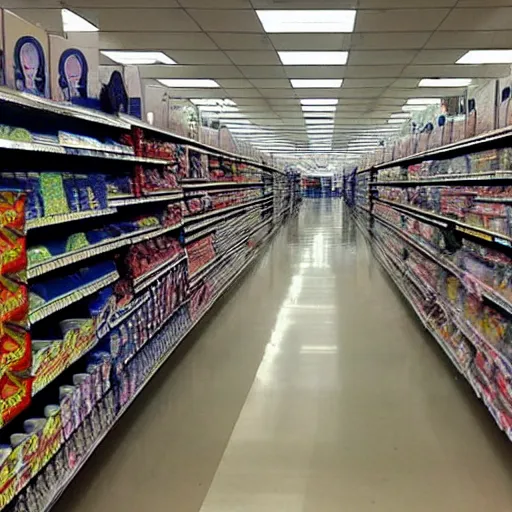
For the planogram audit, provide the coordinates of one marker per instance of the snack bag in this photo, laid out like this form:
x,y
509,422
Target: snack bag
x,y
13,300
15,394
15,348
12,210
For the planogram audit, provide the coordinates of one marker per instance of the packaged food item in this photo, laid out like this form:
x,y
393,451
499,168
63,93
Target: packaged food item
x,y
53,194
13,300
15,395
15,348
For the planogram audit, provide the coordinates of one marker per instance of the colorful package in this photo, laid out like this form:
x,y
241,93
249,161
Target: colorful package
x,y
15,348
53,194
15,395
13,300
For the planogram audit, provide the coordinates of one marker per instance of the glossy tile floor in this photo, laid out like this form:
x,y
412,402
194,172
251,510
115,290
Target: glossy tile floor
x,y
310,388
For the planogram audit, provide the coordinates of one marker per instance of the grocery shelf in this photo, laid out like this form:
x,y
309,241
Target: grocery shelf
x,y
154,198
214,184
90,251
494,178
486,291
37,102
464,146
70,298
58,149
53,220
220,211
461,227
70,476
143,281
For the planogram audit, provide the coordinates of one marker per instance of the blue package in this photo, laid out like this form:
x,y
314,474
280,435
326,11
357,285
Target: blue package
x,y
98,185
96,271
72,193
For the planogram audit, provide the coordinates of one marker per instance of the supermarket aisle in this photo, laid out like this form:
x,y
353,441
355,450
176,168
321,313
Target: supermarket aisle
x,y
312,388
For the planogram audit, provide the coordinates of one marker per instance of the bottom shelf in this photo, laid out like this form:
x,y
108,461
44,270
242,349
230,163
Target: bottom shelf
x,y
56,473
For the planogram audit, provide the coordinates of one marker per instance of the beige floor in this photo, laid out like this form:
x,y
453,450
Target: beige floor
x,y
311,388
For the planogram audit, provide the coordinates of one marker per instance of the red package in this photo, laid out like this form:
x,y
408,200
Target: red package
x,y
13,251
15,393
13,301
12,210
15,349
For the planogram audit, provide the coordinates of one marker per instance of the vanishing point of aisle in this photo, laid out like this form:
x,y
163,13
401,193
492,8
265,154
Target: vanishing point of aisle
x,y
310,388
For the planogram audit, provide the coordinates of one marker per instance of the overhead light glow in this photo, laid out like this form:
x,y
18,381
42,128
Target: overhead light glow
x,y
237,122
319,83
486,57
319,121
313,58
187,83
72,22
400,115
318,108
423,101
319,101
444,82
230,115
414,108
396,121
135,58
307,21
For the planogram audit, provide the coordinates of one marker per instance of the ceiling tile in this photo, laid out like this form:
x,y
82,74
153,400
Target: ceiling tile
x,y
254,58
368,57
458,71
407,4
405,83
292,103
471,39
382,41
423,92
242,93
234,41
116,3
395,20
195,93
350,83
156,71
219,4
235,83
271,83
199,57
438,56
279,93
225,20
373,71
499,18
155,41
362,92
146,20
311,41
263,71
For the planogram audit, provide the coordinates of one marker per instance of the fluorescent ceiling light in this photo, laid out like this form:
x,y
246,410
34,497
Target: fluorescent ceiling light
x,y
318,83
185,83
486,57
246,129
444,82
303,21
400,115
318,108
319,101
319,114
122,57
71,22
313,58
414,108
319,121
423,101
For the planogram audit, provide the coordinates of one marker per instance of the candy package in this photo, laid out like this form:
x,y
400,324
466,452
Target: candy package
x,y
15,395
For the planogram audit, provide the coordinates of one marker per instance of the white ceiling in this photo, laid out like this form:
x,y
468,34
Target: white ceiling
x,y
394,44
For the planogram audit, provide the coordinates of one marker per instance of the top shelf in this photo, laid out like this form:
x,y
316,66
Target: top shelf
x,y
35,102
462,147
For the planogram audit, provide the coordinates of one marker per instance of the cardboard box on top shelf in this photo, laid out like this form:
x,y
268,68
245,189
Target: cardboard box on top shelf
x,y
484,103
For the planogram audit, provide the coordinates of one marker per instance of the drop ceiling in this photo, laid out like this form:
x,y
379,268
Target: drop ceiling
x,y
395,43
